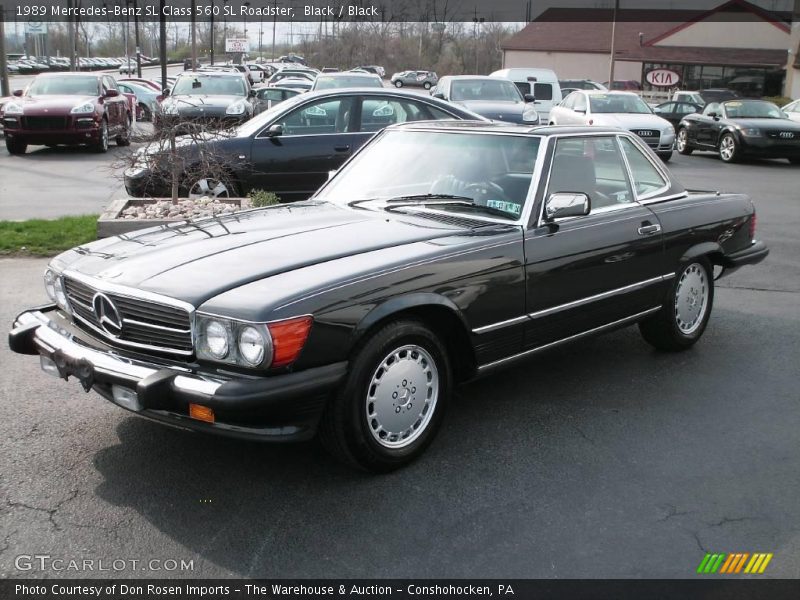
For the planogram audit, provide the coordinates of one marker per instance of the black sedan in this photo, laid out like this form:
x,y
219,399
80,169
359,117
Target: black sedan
x,y
209,98
439,253
738,128
674,112
291,148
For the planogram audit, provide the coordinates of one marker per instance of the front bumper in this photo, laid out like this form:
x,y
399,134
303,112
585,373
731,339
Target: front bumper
x,y
284,407
766,147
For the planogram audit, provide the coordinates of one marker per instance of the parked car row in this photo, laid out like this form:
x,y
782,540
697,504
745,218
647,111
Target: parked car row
x,y
44,64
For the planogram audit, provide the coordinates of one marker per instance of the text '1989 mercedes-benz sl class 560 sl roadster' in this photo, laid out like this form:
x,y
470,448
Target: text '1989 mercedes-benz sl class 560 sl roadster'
x,y
438,253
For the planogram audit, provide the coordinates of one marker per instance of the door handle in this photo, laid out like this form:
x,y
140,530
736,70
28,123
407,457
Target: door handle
x,y
649,229
344,148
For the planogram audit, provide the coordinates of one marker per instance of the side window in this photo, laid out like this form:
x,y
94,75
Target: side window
x,y
523,87
667,107
712,107
570,101
325,116
591,166
542,91
684,108
110,83
378,112
646,178
580,102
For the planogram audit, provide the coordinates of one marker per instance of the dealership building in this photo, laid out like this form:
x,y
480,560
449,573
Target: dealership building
x,y
736,45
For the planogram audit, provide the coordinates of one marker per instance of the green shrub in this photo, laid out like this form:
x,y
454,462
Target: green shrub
x,y
260,198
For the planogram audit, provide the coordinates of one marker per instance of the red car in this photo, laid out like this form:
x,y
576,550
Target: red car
x,y
68,108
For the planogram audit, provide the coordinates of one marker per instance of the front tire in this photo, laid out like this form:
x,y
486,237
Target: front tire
x,y
682,142
393,400
665,156
728,148
684,316
16,146
426,85
101,146
398,84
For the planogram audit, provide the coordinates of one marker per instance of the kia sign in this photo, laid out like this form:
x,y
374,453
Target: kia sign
x,y
237,45
663,78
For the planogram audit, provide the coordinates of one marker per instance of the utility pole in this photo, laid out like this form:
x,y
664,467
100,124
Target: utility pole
x,y
71,36
5,90
274,22
162,43
613,45
136,34
212,32
194,37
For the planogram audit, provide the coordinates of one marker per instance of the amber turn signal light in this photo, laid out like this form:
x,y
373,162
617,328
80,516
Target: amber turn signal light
x,y
288,338
201,413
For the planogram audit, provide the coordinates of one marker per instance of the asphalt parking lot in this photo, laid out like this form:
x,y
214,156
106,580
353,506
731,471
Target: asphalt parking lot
x,y
603,459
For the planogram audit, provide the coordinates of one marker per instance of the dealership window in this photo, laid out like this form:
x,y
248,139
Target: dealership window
x,y
748,82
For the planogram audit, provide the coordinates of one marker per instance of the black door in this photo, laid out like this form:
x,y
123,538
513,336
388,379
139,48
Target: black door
x,y
590,271
318,136
708,127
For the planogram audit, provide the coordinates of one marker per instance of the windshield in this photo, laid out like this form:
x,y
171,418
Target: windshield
x,y
752,109
492,171
66,86
618,103
483,89
203,85
326,82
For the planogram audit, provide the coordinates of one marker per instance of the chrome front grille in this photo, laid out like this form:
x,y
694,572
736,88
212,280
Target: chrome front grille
x,y
144,324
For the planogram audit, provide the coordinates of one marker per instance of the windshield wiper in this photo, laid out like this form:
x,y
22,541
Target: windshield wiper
x,y
447,200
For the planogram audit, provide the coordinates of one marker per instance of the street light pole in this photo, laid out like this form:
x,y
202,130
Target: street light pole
x,y
136,33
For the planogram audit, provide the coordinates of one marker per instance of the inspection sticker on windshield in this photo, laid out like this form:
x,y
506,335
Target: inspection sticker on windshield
x,y
509,207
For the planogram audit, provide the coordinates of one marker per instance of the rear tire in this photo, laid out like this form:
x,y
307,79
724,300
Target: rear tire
x,y
684,316
393,400
16,146
426,85
398,84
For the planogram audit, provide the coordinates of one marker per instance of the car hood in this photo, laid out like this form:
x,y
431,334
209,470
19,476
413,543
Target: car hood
x,y
493,109
53,104
775,124
630,121
199,260
206,102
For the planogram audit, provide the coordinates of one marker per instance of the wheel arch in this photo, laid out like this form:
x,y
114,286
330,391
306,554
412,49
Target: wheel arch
x,y
710,250
728,129
437,312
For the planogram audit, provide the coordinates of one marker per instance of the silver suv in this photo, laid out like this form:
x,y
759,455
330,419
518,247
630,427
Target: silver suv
x,y
425,79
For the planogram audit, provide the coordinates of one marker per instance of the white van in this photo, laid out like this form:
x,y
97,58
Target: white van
x,y
542,83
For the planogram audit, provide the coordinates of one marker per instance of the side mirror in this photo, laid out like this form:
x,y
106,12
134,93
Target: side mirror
x,y
580,110
251,93
111,93
529,97
438,95
275,130
713,115
566,204
165,92
18,93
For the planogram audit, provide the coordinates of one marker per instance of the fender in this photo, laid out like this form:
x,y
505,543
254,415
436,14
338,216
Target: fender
x,y
405,302
702,249
729,129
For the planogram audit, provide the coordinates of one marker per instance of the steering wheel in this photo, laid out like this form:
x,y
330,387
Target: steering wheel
x,y
486,188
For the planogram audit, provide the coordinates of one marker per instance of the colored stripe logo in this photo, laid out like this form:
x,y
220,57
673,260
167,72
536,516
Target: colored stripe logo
x,y
734,563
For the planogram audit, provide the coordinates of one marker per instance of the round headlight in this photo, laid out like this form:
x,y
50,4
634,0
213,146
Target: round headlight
x,y
251,345
61,297
216,339
50,284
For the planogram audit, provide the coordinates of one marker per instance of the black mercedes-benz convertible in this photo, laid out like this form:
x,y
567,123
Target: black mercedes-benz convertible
x,y
438,253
